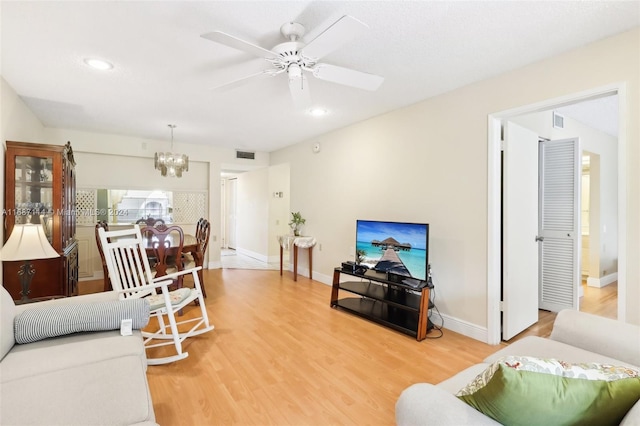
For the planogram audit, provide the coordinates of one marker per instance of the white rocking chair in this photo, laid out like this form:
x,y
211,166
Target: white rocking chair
x,y
131,276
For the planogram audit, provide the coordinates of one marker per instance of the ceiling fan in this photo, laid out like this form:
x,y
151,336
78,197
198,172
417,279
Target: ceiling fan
x,y
294,58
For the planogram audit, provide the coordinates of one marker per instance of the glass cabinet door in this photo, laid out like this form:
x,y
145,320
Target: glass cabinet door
x,y
34,192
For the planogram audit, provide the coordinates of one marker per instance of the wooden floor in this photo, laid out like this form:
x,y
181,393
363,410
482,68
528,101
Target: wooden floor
x,y
598,301
279,355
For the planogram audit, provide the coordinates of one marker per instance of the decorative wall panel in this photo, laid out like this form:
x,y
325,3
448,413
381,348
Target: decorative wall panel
x,y
188,207
86,205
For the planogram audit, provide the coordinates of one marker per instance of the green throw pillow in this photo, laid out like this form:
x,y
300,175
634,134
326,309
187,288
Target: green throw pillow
x,y
512,395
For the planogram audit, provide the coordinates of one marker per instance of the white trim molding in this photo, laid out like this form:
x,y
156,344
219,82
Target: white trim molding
x,y
602,281
463,327
494,213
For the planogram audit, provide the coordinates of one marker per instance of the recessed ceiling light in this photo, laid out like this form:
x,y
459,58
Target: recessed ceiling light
x,y
318,112
98,64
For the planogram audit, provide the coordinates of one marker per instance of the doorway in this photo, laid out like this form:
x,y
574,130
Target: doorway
x,y
599,286
228,225
494,267
239,193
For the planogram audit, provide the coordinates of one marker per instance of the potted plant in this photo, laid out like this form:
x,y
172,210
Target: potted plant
x,y
296,221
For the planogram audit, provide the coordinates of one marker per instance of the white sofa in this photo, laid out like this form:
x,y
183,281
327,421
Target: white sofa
x,y
576,338
90,378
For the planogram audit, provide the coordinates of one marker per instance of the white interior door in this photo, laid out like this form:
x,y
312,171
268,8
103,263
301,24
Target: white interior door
x,y
231,191
560,171
519,230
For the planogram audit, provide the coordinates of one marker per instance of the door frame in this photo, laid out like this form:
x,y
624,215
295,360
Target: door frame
x,y
230,229
494,197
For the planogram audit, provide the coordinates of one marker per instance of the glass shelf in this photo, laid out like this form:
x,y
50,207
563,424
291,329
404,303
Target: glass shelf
x,y
33,199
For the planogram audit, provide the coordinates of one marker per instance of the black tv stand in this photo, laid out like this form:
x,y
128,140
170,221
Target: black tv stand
x,y
399,306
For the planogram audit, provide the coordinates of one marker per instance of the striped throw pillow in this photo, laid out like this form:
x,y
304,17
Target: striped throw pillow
x,y
51,321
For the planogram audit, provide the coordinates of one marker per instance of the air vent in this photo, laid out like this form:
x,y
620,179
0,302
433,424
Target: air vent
x,y
246,154
558,120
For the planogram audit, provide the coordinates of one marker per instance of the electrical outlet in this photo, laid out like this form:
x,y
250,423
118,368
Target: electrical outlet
x,y
320,247
215,238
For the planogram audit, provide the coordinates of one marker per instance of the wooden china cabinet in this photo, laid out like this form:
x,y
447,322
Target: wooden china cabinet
x,y
40,187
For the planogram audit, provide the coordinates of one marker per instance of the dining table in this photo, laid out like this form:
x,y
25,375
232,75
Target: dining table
x,y
190,245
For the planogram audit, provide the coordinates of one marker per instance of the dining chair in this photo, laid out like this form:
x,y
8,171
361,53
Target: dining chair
x,y
165,244
130,273
203,235
203,231
199,224
150,221
102,224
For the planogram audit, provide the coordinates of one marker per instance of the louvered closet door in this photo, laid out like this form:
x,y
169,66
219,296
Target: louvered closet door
x,y
559,224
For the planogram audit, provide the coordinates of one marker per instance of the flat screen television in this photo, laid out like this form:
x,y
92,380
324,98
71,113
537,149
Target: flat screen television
x,y
398,247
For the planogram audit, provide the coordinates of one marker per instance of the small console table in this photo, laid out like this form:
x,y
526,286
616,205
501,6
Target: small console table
x,y
395,305
298,242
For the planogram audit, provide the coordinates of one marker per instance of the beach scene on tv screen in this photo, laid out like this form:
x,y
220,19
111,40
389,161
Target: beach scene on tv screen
x,y
400,248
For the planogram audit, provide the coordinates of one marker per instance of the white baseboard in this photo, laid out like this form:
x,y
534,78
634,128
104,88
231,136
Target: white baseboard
x,y
602,281
324,279
450,323
459,326
258,256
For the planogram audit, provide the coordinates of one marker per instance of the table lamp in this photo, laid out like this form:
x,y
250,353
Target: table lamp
x,y
27,242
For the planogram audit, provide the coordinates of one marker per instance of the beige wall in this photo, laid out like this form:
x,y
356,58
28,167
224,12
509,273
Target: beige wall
x,y
279,214
423,163
17,120
130,159
261,216
118,161
252,212
109,171
428,163
17,123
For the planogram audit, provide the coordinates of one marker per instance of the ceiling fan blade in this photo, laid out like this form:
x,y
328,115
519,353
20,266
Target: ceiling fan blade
x,y
347,77
340,32
236,43
240,81
299,88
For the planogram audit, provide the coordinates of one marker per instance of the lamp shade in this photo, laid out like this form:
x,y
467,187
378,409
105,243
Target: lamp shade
x,y
27,242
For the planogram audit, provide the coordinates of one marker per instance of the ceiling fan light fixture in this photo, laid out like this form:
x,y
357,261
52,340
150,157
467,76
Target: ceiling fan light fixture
x,y
318,112
294,71
297,58
171,164
99,64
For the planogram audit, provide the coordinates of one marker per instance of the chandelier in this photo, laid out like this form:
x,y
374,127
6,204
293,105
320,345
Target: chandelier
x,y
169,163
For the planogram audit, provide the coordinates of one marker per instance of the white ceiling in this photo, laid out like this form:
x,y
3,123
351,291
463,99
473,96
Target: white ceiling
x,y
164,70
600,113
